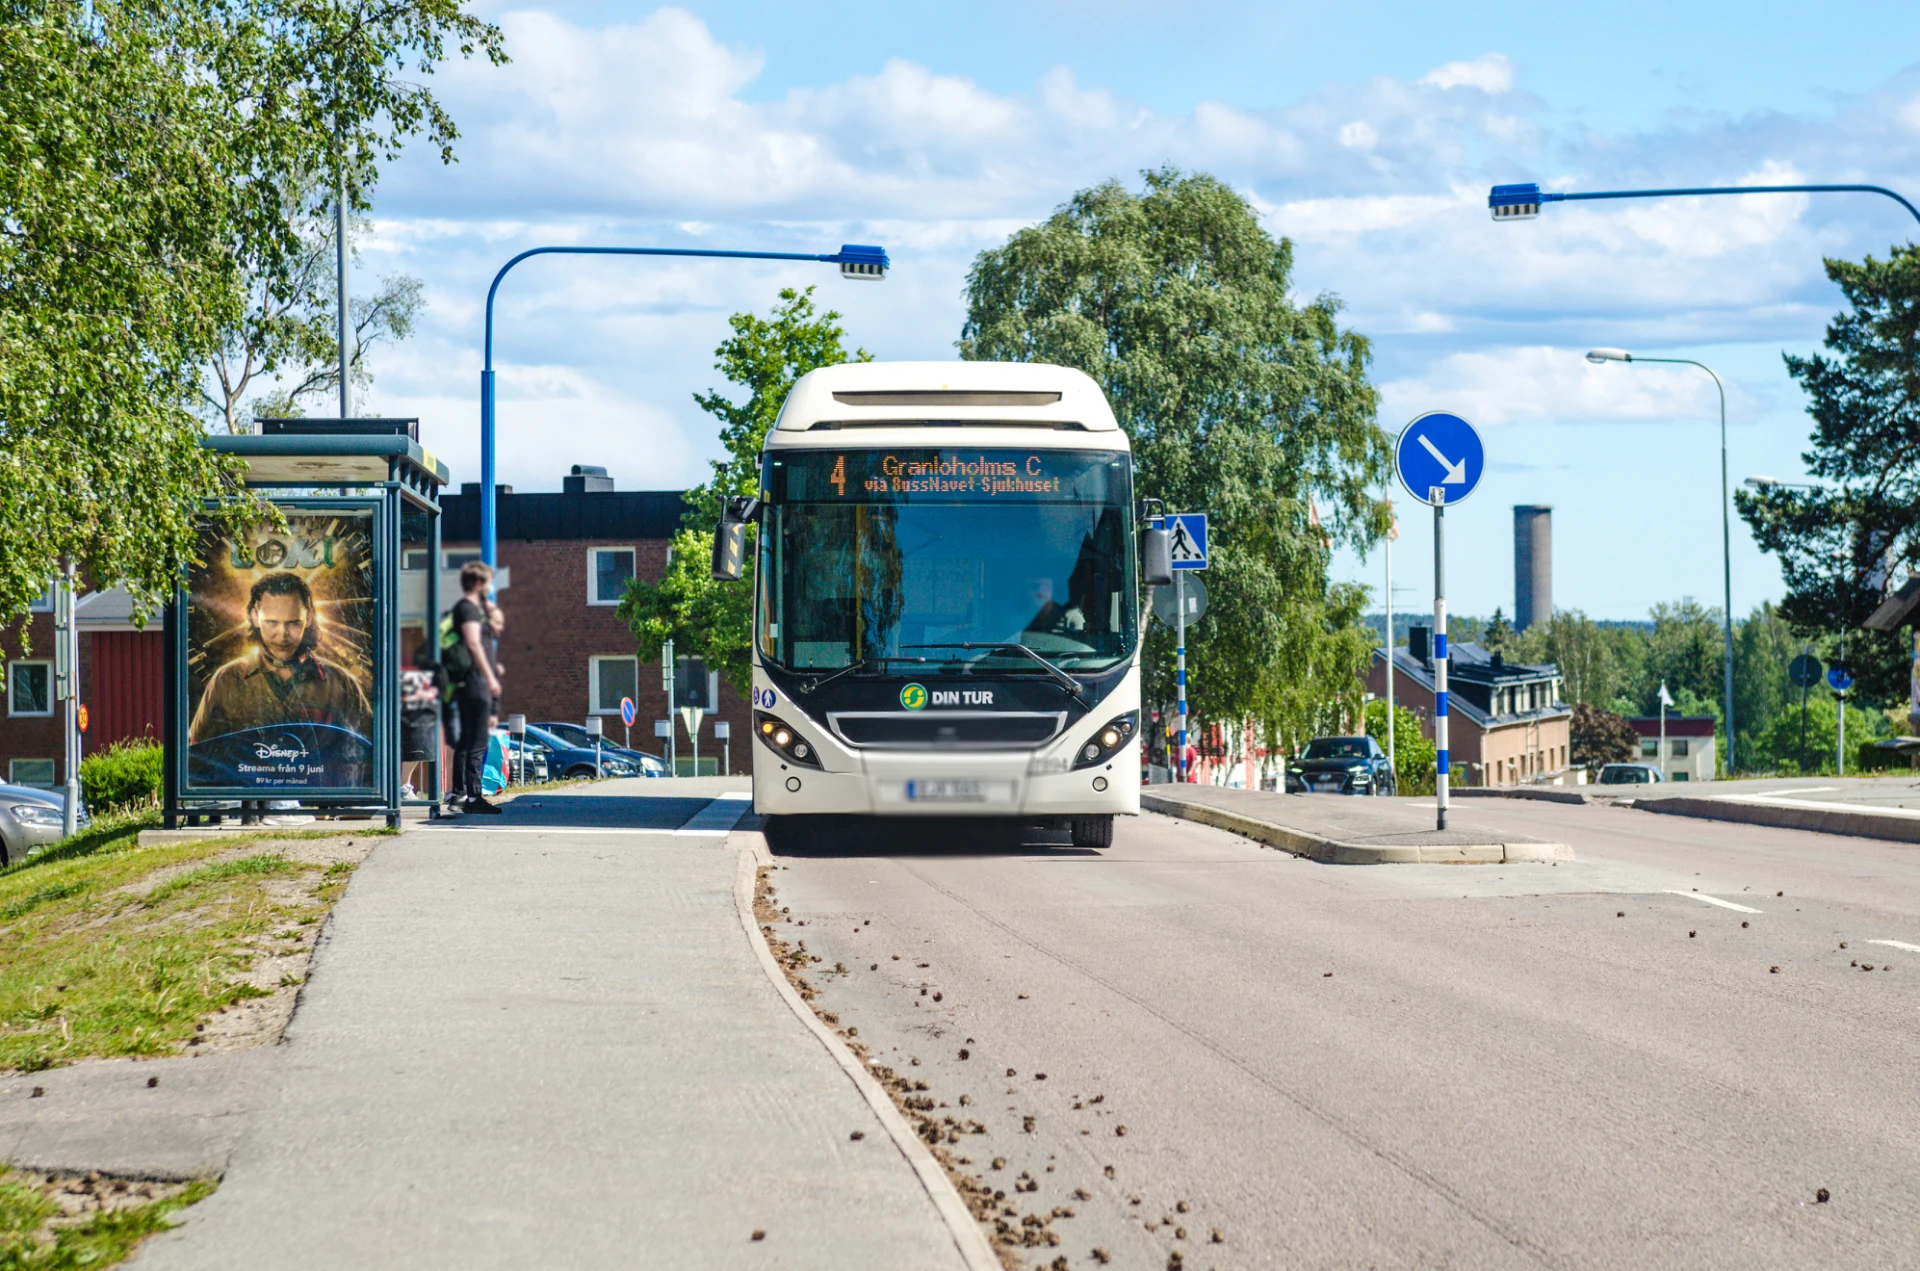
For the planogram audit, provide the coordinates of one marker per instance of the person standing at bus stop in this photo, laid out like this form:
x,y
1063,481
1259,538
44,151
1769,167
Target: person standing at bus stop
x,y
475,691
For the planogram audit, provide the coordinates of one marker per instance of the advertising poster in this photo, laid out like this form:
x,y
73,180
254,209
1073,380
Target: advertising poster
x,y
280,657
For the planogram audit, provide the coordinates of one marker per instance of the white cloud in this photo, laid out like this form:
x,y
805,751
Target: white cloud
x,y
1490,73
1545,385
650,133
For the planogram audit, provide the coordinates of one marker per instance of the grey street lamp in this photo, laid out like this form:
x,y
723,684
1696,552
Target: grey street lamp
x,y
1603,356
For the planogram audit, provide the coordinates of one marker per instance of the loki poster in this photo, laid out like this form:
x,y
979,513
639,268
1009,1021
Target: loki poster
x,y
280,657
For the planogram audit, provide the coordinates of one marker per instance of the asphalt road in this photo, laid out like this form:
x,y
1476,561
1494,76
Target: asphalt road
x,y
1400,1066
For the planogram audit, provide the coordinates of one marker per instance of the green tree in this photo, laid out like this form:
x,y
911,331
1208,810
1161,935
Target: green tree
x,y
1238,402
1685,651
1414,755
1838,544
1763,647
1582,653
765,357
144,162
289,334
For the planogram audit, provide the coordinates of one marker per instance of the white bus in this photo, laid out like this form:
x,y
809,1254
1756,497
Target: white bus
x,y
947,609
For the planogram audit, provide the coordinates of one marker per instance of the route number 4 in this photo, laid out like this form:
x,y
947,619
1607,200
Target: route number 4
x,y
839,477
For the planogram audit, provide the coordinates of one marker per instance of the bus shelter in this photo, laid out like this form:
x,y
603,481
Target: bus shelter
x,y
284,644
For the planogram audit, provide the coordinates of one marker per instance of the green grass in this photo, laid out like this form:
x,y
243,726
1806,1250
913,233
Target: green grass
x,y
28,1242
90,966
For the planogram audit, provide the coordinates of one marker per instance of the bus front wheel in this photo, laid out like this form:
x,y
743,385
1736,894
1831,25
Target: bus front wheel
x,y
1093,831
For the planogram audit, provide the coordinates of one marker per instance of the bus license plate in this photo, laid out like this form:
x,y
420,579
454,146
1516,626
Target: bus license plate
x,y
948,792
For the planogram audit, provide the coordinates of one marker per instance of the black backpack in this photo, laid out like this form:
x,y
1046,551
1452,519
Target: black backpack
x,y
456,659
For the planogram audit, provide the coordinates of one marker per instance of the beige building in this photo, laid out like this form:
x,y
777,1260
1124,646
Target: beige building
x,y
1691,753
1506,724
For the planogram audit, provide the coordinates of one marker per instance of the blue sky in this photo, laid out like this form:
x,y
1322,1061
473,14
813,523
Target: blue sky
x,y
1367,133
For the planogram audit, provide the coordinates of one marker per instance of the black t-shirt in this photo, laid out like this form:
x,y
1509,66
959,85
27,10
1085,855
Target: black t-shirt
x,y
465,611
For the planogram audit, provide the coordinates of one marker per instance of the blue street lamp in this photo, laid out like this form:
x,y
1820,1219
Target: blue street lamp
x,y
857,262
1523,202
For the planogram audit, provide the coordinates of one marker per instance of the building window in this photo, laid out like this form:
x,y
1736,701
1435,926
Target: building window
x,y
30,688
1679,745
1649,747
413,558
609,570
31,772
1677,776
453,559
612,679
42,603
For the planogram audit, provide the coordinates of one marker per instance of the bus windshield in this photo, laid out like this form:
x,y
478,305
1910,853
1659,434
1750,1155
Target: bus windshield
x,y
873,556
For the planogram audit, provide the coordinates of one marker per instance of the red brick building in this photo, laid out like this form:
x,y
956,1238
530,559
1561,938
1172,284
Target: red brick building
x,y
567,558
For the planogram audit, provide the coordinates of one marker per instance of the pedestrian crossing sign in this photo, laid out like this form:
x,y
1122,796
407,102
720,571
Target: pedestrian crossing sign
x,y
1187,532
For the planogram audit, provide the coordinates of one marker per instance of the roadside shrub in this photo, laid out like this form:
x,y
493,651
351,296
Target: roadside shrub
x,y
1414,754
124,776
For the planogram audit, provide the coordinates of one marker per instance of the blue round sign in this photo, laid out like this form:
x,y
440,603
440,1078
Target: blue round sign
x,y
1839,679
1439,458
628,711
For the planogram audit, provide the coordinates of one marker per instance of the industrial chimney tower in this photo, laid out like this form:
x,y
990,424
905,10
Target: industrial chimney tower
x,y
1532,565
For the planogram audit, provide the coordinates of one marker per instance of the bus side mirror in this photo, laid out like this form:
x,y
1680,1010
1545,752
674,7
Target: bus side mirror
x,y
1156,558
729,550
730,538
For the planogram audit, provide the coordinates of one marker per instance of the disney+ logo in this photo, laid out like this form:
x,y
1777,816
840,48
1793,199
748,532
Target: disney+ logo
x,y
285,748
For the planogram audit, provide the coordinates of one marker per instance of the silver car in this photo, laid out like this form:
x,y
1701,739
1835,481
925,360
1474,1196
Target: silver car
x,y
1630,774
30,818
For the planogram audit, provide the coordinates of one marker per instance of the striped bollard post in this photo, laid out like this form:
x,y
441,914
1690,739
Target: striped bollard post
x,y
1180,667
1438,497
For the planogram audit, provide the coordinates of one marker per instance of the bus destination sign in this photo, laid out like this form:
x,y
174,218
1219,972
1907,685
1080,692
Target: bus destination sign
x,y
888,476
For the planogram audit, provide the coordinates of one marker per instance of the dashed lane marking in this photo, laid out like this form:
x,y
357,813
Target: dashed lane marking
x,y
1898,944
1713,900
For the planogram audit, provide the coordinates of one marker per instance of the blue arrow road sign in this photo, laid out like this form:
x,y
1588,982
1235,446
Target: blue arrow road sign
x,y
1188,530
1439,458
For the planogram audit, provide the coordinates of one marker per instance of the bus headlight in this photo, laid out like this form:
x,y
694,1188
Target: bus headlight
x,y
1106,743
781,739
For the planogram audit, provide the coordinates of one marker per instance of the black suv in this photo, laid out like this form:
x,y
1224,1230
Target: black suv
x,y
1341,765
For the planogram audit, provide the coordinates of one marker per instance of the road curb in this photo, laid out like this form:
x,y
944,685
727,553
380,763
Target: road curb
x,y
1336,852
975,1250
1863,824
1545,794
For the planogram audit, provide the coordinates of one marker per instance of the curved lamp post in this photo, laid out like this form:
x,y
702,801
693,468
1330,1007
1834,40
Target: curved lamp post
x,y
1603,356
1522,202
858,262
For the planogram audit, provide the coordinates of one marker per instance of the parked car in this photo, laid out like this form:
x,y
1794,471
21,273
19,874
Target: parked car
x,y
1630,774
564,759
1341,765
30,818
524,767
574,735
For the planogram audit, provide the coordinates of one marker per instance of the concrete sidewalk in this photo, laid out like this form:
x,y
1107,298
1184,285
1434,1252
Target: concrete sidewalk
x,y
544,1039
1347,831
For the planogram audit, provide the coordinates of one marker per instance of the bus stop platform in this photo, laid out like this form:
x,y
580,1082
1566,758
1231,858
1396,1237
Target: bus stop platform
x,y
1342,830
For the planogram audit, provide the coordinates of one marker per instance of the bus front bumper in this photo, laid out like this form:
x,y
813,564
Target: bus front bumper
x,y
947,784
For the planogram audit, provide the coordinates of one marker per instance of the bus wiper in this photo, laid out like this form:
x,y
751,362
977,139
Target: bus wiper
x,y
994,646
856,665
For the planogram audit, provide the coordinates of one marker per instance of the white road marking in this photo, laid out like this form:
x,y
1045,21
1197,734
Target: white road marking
x,y
1898,944
1818,805
1713,900
558,829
